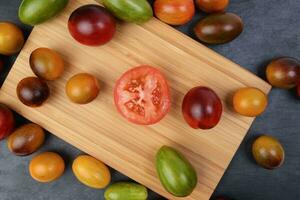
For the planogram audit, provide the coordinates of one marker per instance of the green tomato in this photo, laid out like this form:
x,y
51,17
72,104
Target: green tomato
x,y
175,172
33,12
126,191
137,11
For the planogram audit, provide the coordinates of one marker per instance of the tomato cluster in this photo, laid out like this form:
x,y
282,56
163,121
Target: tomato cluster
x,y
141,95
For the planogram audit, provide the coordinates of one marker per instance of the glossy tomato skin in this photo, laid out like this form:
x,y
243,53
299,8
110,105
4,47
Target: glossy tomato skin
x,y
46,167
33,12
283,72
250,101
202,108
46,64
7,121
33,91
11,39
219,28
142,95
174,12
92,25
137,11
26,139
82,88
268,152
212,6
175,172
91,172
126,190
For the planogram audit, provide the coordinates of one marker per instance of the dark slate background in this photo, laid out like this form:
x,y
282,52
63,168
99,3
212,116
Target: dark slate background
x,y
272,29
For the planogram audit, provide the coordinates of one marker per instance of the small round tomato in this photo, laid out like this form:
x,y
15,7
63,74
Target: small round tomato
x,y
142,95
268,152
82,88
212,6
174,12
250,101
46,64
92,25
7,121
46,167
91,172
202,108
26,139
219,28
284,72
32,91
11,38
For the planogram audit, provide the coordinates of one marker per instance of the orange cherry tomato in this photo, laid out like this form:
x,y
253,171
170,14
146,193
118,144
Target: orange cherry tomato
x,y
91,172
250,101
26,139
82,88
174,12
268,152
46,64
11,38
46,167
212,6
283,72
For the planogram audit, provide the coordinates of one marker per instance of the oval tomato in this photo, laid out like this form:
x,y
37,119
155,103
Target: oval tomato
x,y
142,95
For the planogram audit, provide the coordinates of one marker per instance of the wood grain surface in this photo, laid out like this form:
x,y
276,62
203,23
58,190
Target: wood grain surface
x,y
99,130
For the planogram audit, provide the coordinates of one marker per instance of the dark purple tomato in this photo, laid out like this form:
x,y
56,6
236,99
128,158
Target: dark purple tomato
x,y
219,28
7,121
283,72
202,108
92,25
33,91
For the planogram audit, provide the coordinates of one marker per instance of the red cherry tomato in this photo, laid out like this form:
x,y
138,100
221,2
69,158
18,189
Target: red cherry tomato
x,y
92,25
174,12
7,121
202,108
142,95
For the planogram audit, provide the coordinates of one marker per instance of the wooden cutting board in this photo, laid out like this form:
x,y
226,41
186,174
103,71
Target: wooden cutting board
x,y
99,130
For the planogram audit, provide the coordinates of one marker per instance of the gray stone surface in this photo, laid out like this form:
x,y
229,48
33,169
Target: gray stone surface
x,y
272,29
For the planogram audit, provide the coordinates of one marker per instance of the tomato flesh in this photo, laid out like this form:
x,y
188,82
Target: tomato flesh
x,y
142,95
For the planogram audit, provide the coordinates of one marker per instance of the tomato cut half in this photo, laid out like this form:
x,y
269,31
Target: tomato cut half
x,y
142,95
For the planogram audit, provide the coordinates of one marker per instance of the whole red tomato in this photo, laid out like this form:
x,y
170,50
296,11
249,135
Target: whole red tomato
x,y
92,25
174,12
202,108
142,95
7,121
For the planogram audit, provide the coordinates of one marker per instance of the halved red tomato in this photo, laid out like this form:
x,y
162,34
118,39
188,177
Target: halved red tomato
x,y
142,95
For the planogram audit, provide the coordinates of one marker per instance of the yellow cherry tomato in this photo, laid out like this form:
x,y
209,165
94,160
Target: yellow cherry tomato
x,y
11,39
91,172
46,167
250,101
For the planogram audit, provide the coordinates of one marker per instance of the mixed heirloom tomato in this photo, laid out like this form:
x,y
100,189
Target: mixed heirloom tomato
x,y
142,95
